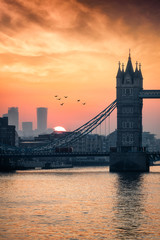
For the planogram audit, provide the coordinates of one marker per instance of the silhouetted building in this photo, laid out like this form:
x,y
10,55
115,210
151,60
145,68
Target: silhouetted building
x,y
8,135
91,143
42,119
129,155
13,117
27,129
5,115
149,141
129,108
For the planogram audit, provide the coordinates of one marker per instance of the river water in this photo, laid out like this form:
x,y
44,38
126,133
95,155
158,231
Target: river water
x,y
80,203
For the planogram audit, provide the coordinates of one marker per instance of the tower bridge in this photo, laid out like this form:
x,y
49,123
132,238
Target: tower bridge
x,y
128,154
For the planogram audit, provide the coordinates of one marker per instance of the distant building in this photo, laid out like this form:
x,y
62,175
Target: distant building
x,y
8,134
13,117
42,119
5,115
27,129
149,141
91,143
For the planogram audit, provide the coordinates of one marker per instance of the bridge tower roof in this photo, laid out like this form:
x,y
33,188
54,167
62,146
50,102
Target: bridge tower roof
x,y
129,67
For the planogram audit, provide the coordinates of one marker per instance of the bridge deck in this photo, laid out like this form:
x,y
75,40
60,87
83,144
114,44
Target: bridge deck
x,y
8,155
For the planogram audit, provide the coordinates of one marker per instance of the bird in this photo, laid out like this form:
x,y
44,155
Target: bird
x,y
84,103
56,95
58,98
62,104
78,100
65,96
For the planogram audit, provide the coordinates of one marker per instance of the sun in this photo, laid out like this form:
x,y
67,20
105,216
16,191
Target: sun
x,y
59,129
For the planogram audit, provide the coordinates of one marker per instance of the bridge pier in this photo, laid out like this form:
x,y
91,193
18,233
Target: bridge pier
x,y
129,162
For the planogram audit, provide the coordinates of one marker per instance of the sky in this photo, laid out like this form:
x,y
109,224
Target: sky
x,y
72,48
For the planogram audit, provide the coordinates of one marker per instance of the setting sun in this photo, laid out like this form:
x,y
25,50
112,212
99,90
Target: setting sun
x,y
59,129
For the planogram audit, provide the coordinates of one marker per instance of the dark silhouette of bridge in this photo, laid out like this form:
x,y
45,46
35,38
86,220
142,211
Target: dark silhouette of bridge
x,y
129,154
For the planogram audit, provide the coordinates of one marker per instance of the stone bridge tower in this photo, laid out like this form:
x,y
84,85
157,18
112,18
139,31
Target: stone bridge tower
x,y
129,155
129,108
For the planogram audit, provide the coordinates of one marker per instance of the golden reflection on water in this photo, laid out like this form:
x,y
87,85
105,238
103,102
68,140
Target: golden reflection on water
x,y
79,203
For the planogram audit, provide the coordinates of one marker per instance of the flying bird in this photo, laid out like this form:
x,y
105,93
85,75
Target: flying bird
x,y
62,104
84,103
78,100
58,98
56,95
65,96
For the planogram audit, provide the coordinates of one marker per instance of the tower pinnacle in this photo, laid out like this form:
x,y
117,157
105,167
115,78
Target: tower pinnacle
x,y
129,53
119,70
129,67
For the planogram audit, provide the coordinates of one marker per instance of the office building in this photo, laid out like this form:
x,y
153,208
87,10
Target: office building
x,y
13,117
8,135
27,129
42,119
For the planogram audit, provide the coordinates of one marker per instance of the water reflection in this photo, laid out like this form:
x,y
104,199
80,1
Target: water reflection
x,y
129,206
79,203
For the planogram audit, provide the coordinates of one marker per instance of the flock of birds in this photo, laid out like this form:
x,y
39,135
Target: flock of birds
x,y
59,98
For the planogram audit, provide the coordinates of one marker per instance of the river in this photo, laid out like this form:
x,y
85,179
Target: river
x,y
80,203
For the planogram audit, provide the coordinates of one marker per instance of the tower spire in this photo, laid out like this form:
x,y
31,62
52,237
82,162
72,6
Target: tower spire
x,y
129,67
119,70
122,67
129,53
136,74
140,73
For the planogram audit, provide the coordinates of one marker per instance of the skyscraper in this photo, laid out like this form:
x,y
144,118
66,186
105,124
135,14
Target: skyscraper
x,y
42,119
13,117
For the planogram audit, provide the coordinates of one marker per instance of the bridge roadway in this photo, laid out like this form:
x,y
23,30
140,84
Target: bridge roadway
x,y
153,156
74,154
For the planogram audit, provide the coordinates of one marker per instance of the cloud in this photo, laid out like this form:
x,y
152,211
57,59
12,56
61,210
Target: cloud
x,y
38,27
133,12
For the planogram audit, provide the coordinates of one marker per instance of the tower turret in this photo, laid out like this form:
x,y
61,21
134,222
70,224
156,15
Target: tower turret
x,y
140,73
136,74
119,73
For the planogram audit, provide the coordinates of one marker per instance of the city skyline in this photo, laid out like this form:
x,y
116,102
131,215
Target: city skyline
x,y
72,48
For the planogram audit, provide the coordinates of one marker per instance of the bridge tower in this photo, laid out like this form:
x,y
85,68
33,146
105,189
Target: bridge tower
x,y
129,155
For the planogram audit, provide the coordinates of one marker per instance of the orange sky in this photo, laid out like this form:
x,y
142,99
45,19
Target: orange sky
x,y
72,47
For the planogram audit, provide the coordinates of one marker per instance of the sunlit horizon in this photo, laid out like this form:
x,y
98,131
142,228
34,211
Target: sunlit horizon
x,y
72,48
